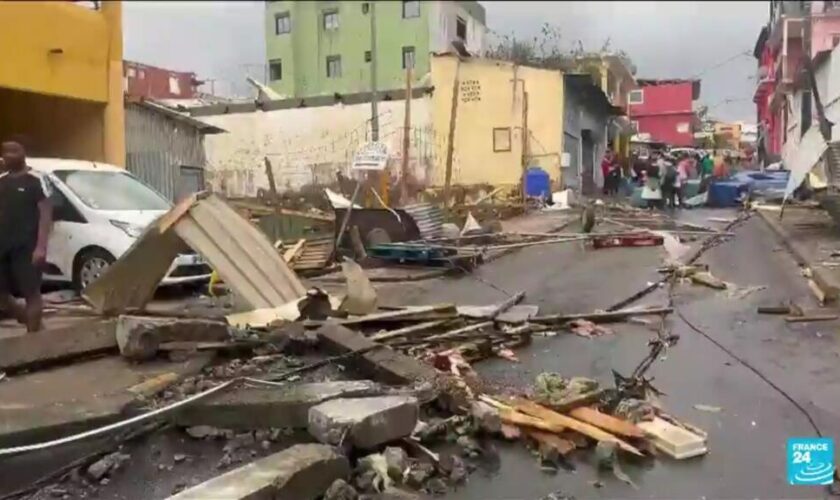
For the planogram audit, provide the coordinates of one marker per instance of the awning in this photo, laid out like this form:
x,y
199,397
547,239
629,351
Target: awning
x,y
803,158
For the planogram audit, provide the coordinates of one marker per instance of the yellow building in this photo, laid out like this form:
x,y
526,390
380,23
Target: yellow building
x,y
61,81
496,102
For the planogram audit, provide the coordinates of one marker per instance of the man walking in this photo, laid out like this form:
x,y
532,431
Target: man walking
x,y
25,222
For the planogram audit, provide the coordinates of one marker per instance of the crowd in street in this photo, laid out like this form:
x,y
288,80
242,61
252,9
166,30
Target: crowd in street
x,y
662,176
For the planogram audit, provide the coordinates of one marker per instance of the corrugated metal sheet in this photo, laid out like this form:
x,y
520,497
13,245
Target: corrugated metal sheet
x,y
237,250
429,219
156,147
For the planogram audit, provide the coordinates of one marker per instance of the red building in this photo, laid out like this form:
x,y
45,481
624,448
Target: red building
x,y
142,80
663,109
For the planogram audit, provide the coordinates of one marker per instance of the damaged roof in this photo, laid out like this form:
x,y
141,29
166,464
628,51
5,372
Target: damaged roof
x,y
204,128
582,82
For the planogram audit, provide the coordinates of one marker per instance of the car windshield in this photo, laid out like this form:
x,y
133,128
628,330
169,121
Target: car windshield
x,y
108,190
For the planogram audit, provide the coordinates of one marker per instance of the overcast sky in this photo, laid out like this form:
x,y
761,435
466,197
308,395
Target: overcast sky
x,y
225,40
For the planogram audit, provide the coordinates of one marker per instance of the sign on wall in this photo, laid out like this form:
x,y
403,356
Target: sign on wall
x,y
371,156
470,91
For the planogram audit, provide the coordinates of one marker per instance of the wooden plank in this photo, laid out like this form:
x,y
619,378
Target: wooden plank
x,y
563,446
403,315
294,252
562,421
603,316
813,317
379,337
607,422
83,338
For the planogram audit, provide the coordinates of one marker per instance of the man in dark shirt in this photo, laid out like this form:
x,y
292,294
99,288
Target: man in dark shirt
x,y
25,221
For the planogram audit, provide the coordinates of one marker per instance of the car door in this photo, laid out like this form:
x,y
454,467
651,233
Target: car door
x,y
68,222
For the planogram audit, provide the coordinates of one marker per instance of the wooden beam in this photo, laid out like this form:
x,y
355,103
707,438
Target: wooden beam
x,y
450,144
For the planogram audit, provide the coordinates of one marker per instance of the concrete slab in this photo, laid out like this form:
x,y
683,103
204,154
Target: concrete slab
x,y
53,403
79,338
251,408
383,363
364,422
301,472
139,337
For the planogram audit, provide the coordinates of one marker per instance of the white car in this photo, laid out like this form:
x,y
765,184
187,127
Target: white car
x,y
99,210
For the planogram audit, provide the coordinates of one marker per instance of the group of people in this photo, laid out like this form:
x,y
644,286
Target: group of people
x,y
661,176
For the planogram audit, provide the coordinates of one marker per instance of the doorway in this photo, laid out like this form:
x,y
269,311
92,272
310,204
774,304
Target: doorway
x,y
587,154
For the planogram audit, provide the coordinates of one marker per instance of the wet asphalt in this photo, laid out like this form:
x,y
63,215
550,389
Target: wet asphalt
x,y
746,438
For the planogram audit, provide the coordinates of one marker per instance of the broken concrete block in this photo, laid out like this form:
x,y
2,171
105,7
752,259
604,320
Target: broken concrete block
x,y
341,490
139,337
106,465
486,417
364,422
265,407
396,460
675,441
391,366
300,472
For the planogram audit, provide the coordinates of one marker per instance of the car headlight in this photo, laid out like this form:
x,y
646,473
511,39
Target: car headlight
x,y
132,230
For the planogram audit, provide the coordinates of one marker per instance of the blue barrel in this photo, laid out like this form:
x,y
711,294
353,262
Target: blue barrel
x,y
537,183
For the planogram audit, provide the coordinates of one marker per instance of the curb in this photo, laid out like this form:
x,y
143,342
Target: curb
x,y
819,276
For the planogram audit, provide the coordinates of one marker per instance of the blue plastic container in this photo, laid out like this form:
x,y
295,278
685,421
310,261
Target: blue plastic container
x,y
537,183
725,193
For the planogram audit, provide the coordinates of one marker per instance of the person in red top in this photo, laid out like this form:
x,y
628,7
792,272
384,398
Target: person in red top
x,y
608,167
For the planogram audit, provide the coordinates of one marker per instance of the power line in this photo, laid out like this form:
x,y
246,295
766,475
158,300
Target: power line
x,y
725,61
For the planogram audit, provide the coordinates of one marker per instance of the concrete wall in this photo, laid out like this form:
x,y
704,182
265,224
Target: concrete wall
x,y
304,50
308,145
66,61
490,97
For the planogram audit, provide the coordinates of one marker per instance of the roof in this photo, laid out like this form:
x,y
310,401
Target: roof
x,y
204,128
582,82
52,164
650,82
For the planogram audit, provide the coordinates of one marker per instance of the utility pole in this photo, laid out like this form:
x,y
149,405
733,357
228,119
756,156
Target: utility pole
x,y
406,135
374,98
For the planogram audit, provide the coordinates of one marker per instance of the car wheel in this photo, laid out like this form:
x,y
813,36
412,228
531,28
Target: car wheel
x,y
90,267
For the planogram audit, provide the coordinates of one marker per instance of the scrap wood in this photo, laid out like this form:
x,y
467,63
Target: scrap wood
x,y
552,441
814,317
599,317
294,252
560,420
408,330
773,310
607,422
529,414
419,313
706,278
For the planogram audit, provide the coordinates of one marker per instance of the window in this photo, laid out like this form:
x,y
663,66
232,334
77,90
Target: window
x,y
174,85
103,190
132,72
501,140
460,28
367,56
408,57
411,9
635,125
282,23
805,108
331,20
141,74
636,97
333,66
683,127
365,8
275,70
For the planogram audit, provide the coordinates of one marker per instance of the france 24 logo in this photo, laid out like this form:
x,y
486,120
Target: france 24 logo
x,y
810,461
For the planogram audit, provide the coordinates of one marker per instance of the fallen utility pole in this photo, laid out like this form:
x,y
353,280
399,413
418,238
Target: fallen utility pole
x,y
450,143
596,317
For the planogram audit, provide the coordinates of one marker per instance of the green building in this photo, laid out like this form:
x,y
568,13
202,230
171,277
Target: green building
x,y
324,47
